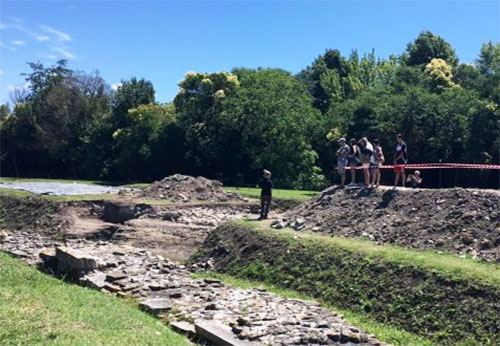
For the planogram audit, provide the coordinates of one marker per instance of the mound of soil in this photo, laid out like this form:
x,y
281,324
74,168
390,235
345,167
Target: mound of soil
x,y
184,188
454,220
32,213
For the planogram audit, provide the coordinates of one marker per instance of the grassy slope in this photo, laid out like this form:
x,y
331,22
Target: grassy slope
x,y
383,332
439,296
451,265
38,309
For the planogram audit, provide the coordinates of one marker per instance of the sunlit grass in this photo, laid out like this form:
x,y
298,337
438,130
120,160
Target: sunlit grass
x,y
36,309
252,192
452,265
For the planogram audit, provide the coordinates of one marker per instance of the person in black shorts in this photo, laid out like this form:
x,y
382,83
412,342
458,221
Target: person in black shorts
x,y
266,194
353,159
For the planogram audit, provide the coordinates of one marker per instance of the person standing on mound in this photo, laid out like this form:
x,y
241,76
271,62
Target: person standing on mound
x,y
353,158
342,160
366,157
378,161
266,194
400,158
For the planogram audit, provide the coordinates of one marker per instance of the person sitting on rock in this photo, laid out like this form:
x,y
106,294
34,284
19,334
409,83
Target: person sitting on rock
x,y
414,179
266,193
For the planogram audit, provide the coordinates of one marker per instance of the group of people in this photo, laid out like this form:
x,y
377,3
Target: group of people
x,y
358,153
370,156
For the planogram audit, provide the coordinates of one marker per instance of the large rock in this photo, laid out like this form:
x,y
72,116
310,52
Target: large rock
x,y
156,306
217,333
48,256
74,262
96,280
3,236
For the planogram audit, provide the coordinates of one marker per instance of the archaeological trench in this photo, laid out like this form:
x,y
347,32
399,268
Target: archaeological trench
x,y
157,253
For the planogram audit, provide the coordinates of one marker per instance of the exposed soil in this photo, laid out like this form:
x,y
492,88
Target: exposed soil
x,y
456,220
33,213
184,188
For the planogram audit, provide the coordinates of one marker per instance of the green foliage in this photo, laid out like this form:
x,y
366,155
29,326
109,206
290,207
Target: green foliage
x,y
428,46
209,135
439,74
275,120
39,310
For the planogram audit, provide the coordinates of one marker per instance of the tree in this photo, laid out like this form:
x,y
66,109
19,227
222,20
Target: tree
x,y
131,94
276,122
330,79
439,74
208,135
135,143
428,46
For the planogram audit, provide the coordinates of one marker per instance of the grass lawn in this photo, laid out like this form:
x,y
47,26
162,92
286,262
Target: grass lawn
x,y
452,265
383,332
253,192
36,309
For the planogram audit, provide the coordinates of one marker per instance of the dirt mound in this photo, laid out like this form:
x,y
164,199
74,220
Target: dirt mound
x,y
32,213
454,220
184,188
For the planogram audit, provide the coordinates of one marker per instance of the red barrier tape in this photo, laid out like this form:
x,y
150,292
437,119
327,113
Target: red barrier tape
x,y
445,166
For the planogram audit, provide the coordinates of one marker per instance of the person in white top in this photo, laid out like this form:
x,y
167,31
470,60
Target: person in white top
x,y
366,157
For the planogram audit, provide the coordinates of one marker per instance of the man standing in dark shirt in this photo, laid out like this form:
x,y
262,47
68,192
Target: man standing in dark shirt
x,y
266,185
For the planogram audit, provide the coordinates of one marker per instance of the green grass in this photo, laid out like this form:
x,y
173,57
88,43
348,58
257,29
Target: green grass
x,y
451,265
253,192
36,309
383,332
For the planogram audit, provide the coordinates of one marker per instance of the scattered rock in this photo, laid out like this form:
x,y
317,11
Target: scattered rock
x,y
183,188
74,262
156,306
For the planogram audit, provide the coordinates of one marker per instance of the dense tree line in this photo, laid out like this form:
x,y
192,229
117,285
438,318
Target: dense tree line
x,y
72,124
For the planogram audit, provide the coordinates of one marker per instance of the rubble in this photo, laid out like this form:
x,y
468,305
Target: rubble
x,y
237,316
184,188
454,220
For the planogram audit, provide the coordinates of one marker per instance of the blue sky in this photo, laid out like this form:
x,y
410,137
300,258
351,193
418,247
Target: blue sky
x,y
162,40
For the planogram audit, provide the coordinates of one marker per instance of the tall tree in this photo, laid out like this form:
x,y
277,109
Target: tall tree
x,y
428,46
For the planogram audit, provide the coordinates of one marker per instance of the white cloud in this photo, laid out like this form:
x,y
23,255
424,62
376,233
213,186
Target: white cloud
x,y
16,19
116,86
1,72
47,56
40,38
64,52
61,36
3,45
18,43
